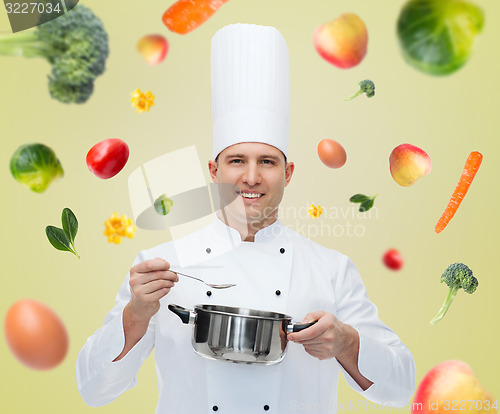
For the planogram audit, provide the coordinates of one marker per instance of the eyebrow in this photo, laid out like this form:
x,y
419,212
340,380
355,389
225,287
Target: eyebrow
x,y
235,156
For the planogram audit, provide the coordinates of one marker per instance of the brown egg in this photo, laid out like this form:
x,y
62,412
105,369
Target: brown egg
x,y
331,153
35,334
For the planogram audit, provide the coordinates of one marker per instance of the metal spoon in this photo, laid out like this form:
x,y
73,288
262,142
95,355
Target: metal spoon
x,y
213,286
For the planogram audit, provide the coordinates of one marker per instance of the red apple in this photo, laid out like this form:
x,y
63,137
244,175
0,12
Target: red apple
x,y
153,48
451,387
408,163
343,41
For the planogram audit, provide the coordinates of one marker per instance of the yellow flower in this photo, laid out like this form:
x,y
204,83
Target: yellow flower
x,y
118,227
314,211
142,102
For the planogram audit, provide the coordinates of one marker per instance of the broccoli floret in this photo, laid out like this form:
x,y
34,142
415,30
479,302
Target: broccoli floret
x,y
365,86
68,93
457,276
76,45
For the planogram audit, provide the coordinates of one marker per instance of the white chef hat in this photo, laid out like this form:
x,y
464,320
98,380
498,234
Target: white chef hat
x,y
250,87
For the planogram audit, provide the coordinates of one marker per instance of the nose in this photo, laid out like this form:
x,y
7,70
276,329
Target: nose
x,y
252,175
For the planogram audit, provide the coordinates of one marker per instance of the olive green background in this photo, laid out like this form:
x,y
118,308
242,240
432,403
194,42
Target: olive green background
x,y
448,117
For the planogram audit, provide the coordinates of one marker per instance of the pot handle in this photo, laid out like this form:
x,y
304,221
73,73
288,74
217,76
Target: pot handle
x,y
299,327
186,315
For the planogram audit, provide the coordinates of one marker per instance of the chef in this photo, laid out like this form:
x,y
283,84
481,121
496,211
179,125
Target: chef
x,y
273,268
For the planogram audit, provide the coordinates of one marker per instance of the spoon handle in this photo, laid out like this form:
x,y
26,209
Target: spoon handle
x,y
183,274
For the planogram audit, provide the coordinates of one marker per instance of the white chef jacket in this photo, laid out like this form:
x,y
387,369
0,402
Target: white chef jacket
x,y
281,271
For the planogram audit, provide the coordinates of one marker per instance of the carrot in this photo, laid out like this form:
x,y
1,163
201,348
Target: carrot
x,y
186,15
470,169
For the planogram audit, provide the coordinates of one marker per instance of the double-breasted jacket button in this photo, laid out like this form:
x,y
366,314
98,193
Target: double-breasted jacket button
x,y
208,250
215,408
282,250
209,293
278,292
266,407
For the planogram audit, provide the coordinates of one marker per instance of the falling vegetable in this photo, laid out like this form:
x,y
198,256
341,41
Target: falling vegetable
x,y
75,44
393,259
64,239
437,36
408,164
153,48
35,165
142,101
457,276
470,169
118,227
365,86
107,158
366,202
343,42
163,204
315,211
186,15
453,382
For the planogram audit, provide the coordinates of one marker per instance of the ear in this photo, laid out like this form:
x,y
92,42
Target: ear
x,y
212,168
289,169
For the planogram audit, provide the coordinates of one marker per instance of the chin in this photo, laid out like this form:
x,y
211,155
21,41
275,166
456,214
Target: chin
x,y
263,215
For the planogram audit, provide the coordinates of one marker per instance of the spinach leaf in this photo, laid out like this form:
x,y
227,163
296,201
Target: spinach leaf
x,y
358,198
70,225
64,239
366,202
366,205
57,238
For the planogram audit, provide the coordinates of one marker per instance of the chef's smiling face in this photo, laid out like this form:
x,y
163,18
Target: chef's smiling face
x,y
257,175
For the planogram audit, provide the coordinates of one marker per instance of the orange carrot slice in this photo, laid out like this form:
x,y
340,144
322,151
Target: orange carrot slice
x,y
470,169
186,15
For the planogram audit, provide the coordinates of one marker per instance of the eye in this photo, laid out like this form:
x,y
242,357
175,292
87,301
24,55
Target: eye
x,y
268,162
235,161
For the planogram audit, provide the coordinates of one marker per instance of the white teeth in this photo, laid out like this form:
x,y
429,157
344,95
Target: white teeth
x,y
250,195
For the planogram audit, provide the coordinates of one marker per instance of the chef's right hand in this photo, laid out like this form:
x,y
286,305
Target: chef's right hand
x,y
149,282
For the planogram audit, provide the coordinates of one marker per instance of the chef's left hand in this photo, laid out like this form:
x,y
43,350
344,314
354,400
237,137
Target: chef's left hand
x,y
327,338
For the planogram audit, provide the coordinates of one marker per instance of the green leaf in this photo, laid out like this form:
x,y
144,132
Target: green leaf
x,y
163,204
358,198
57,238
70,225
366,205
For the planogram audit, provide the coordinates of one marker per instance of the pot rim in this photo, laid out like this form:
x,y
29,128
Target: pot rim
x,y
248,313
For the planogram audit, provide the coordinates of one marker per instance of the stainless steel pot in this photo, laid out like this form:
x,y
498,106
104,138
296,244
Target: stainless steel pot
x,y
238,335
